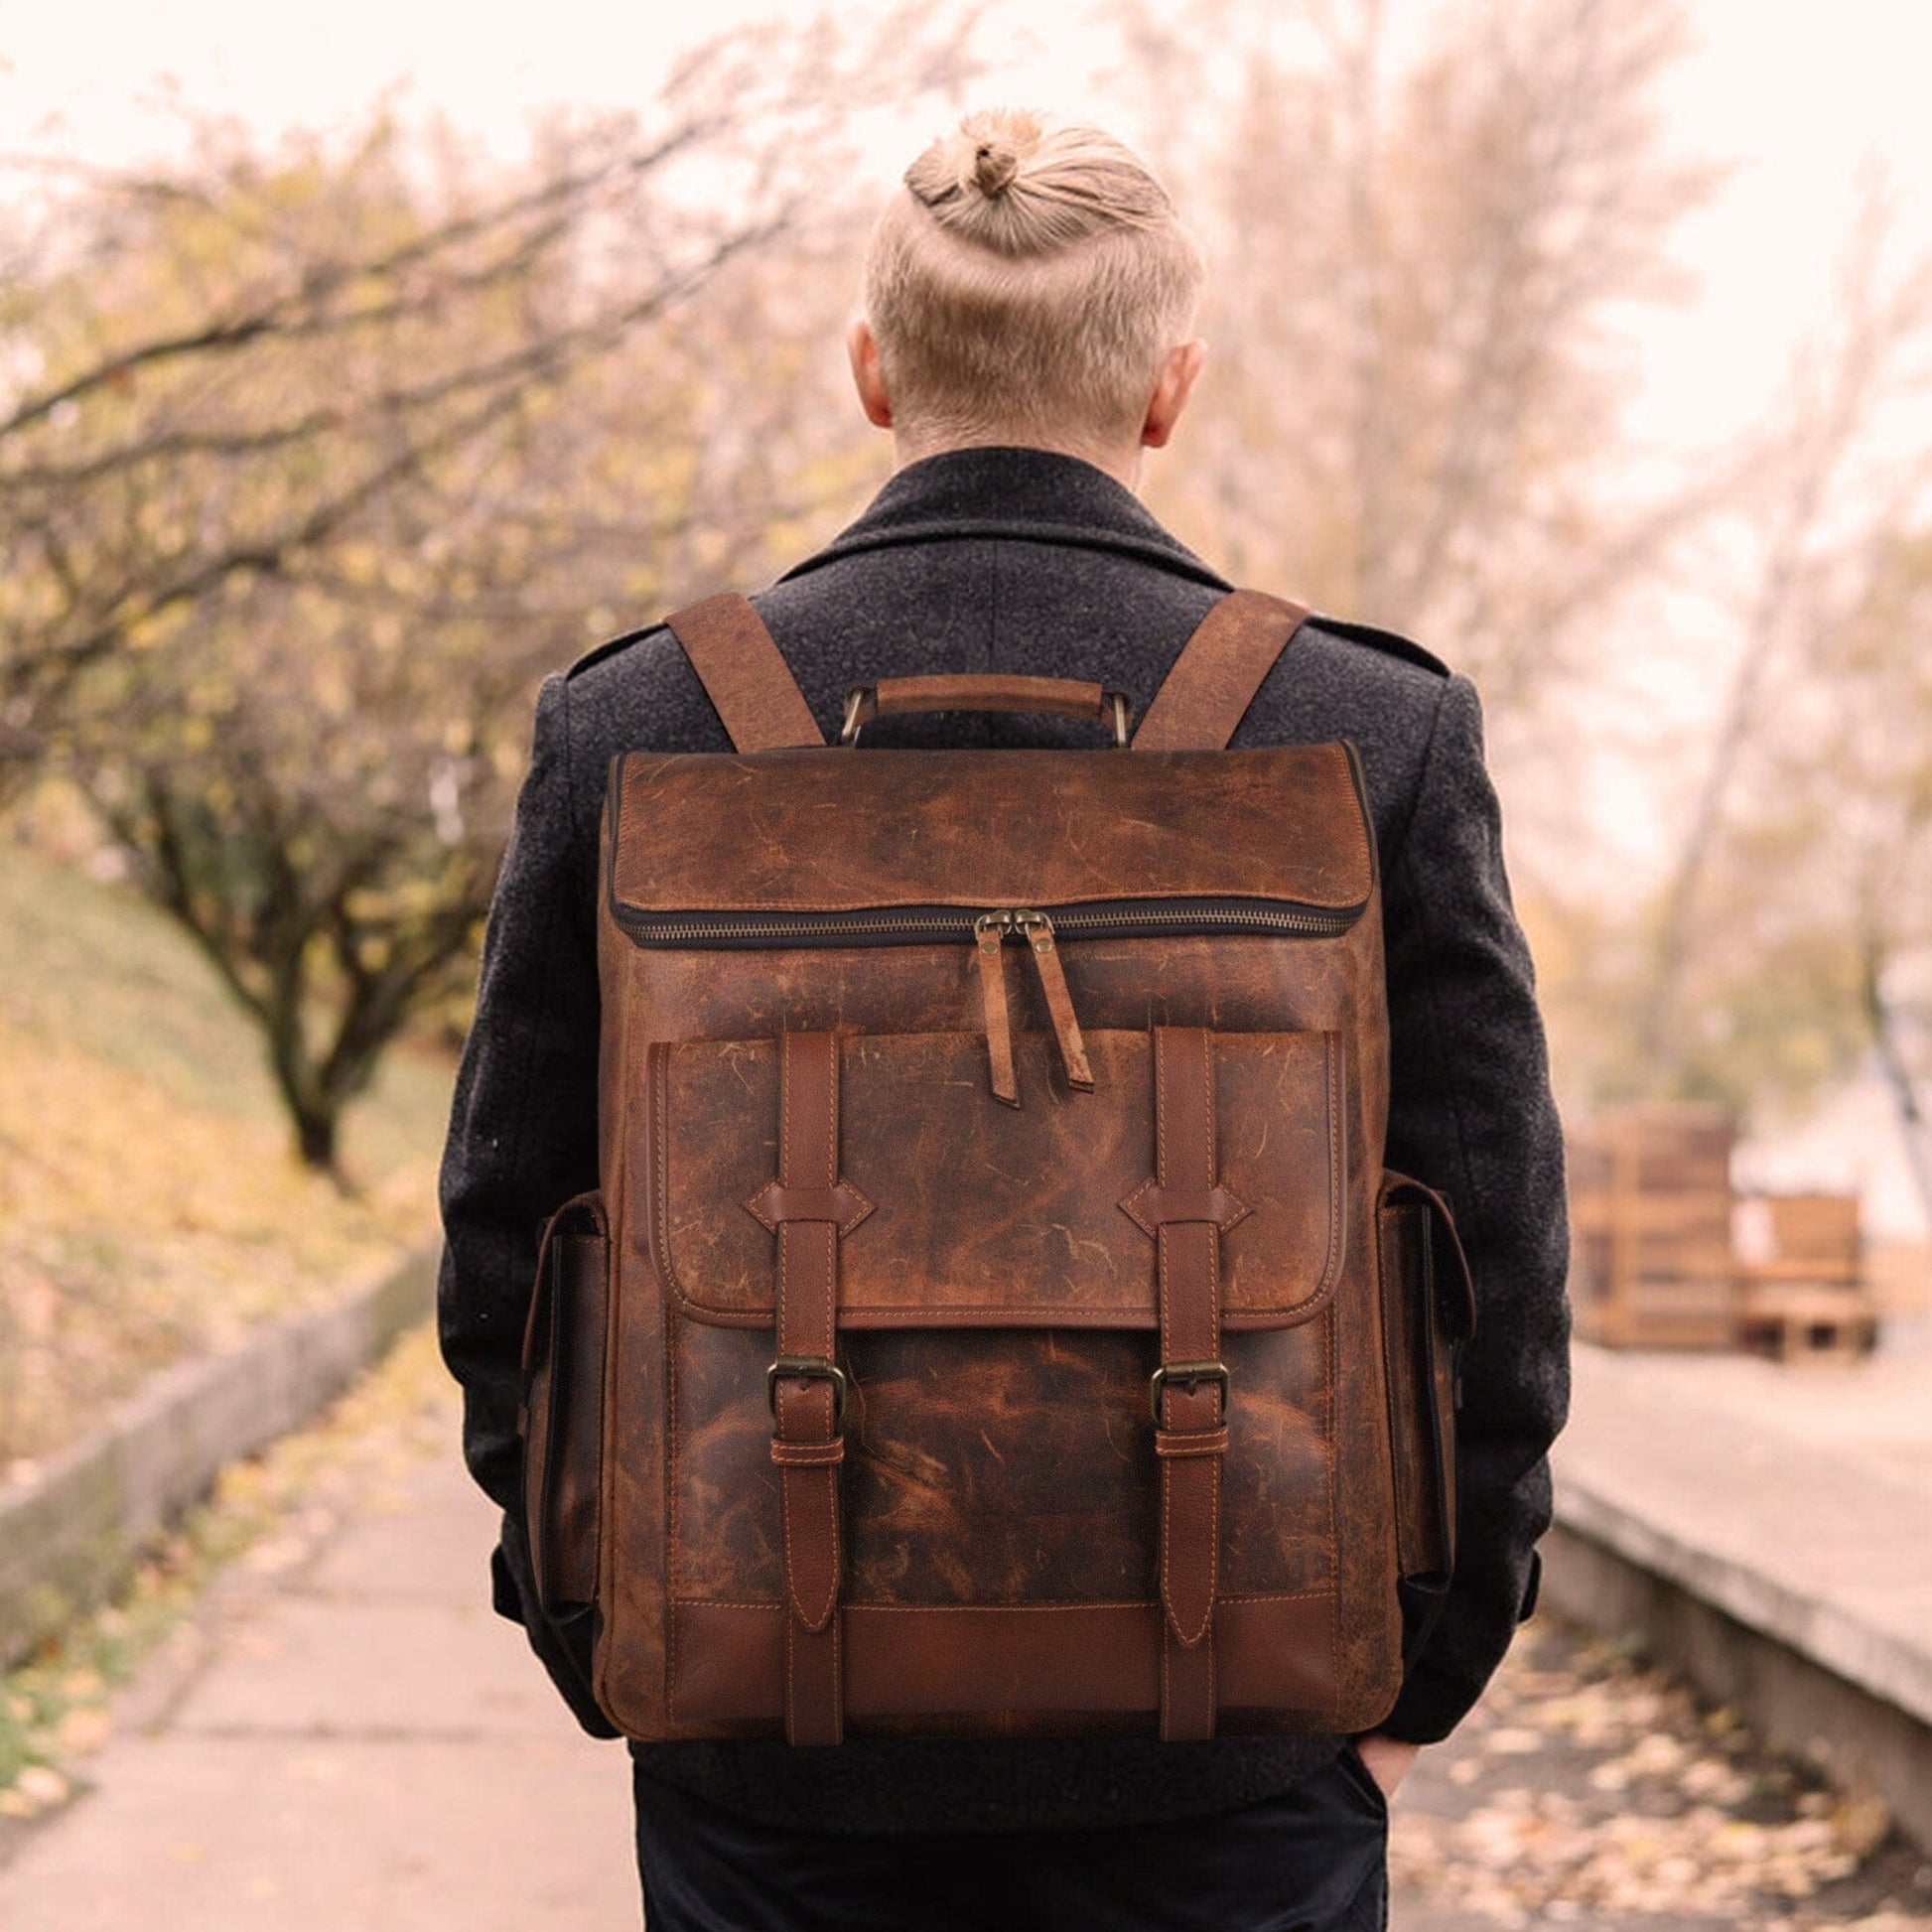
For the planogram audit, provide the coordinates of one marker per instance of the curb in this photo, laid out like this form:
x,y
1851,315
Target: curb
x,y
1835,1639
1812,1681
73,1533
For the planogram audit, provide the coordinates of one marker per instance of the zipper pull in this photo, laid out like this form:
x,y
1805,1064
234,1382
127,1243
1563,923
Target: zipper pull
x,y
1038,931
989,935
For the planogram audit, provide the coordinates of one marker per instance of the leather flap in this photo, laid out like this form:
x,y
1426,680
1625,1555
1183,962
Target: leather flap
x,y
845,831
982,1215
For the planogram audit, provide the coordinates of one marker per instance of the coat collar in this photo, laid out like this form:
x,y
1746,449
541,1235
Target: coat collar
x,y
1038,496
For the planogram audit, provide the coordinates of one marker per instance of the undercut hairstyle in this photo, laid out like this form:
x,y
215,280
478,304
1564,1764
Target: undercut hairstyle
x,y
1031,276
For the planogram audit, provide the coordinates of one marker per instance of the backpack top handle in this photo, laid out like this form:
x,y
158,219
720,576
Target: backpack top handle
x,y
1059,697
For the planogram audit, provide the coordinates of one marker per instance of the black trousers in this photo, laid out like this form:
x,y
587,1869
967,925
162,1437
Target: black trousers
x,y
1311,1861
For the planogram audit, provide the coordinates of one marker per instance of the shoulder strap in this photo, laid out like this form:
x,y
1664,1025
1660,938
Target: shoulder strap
x,y
743,674
1220,668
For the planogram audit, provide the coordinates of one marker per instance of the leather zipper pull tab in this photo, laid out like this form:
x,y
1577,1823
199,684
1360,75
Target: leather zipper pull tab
x,y
989,935
1038,931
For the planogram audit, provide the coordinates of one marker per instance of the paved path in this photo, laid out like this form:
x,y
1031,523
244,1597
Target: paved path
x,y
362,1746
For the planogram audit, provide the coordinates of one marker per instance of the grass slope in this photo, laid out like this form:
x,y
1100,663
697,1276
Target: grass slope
x,y
149,1205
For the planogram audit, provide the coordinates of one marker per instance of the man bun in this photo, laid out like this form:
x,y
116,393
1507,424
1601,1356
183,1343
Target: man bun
x,y
977,185
1010,180
994,167
1028,280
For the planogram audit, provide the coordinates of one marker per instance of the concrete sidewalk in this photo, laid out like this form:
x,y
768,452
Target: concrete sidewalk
x,y
360,1745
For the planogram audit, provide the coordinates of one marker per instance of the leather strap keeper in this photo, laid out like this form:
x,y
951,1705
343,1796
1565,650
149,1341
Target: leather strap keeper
x,y
844,1206
1154,1205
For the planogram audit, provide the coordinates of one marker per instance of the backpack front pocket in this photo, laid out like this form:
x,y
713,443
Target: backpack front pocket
x,y
999,1364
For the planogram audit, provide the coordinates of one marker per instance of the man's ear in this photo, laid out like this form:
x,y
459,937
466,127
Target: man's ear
x,y
862,347
1178,374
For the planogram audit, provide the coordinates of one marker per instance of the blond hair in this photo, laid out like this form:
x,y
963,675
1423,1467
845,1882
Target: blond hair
x,y
1031,276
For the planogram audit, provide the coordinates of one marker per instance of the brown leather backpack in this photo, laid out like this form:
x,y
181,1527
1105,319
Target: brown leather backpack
x,y
956,1347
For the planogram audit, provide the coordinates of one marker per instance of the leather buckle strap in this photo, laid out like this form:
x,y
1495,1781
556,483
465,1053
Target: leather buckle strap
x,y
1188,1391
1190,1375
806,1387
807,1368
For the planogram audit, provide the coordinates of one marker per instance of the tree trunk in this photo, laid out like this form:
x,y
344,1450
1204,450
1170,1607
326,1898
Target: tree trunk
x,y
314,1140
1896,1067
314,1110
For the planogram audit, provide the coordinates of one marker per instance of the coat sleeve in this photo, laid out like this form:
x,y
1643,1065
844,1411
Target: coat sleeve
x,y
1471,1113
522,1140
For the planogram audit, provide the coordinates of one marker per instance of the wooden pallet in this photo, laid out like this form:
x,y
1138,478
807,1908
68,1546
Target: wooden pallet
x,y
1650,1220
1816,1323
1802,1291
1809,1237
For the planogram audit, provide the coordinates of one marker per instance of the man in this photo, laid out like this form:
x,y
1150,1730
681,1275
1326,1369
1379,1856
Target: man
x,y
1026,340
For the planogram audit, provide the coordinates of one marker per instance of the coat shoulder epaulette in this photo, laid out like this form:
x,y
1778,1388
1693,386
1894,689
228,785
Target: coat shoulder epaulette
x,y
1393,642
598,653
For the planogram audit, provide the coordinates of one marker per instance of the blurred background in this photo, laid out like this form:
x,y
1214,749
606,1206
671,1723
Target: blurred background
x,y
358,368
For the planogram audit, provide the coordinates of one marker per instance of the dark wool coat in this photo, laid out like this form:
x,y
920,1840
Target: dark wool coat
x,y
1020,560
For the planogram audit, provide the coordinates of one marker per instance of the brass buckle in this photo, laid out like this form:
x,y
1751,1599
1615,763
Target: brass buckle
x,y
807,1368
1190,1375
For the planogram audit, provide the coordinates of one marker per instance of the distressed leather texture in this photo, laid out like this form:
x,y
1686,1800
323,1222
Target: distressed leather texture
x,y
880,1445
983,829
958,1214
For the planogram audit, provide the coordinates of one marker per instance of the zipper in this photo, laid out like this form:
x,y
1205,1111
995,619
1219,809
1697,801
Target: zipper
x,y
989,935
909,924
1034,931
1039,929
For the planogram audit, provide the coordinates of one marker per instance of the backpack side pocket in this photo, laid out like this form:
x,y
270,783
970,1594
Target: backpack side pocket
x,y
1428,1313
561,1415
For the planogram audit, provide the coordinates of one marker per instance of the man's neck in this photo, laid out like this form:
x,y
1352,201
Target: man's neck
x,y
1123,465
